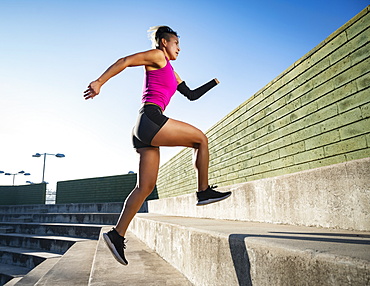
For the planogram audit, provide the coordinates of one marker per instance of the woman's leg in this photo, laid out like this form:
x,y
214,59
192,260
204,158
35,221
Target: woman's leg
x,y
147,177
177,133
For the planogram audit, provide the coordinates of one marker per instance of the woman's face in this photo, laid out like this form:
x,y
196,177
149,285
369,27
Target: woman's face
x,y
172,47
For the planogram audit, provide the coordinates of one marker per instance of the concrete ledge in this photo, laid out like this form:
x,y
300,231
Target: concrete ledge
x,y
216,252
336,196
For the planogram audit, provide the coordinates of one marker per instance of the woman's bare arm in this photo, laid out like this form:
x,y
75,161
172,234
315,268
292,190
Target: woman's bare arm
x,y
152,58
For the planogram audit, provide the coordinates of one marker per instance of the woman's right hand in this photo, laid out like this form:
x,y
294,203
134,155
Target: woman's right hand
x,y
92,90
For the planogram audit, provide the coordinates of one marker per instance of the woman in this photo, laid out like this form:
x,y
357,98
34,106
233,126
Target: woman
x,y
153,129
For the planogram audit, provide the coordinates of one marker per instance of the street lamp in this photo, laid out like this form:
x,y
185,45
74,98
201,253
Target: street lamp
x,y
10,174
44,154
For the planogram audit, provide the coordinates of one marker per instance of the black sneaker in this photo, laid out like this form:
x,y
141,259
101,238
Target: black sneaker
x,y
116,244
210,196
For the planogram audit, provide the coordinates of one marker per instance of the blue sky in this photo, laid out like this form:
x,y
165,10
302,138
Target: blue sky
x,y
51,50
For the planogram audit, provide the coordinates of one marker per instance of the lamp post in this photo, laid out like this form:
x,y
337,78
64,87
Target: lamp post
x,y
10,174
45,154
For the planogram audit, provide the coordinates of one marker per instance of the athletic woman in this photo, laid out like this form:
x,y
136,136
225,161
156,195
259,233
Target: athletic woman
x,y
153,129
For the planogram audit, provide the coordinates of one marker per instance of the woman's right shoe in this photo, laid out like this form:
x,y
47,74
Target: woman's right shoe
x,y
211,196
116,244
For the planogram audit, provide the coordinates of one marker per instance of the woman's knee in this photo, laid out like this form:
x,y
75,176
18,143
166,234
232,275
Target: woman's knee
x,y
144,191
201,140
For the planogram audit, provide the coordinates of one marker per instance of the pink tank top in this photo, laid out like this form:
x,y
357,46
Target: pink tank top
x,y
159,86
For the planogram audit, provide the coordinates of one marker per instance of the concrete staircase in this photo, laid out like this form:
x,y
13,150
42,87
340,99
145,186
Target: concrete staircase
x,y
36,238
61,245
308,228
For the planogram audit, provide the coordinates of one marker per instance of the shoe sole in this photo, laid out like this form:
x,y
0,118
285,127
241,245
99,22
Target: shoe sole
x,y
113,249
209,201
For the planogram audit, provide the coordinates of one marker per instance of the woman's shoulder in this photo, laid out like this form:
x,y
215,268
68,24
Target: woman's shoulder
x,y
158,58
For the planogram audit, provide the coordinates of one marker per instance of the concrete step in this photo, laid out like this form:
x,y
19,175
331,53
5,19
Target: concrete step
x,y
63,229
222,252
6,229
8,272
56,244
19,218
24,208
64,208
13,281
73,268
145,267
335,196
35,274
24,257
80,218
68,208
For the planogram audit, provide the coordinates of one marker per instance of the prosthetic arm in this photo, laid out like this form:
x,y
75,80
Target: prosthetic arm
x,y
198,92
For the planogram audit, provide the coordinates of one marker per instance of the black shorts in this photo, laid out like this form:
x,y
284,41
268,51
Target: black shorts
x,y
149,122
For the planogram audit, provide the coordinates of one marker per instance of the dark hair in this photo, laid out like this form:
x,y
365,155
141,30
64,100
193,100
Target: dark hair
x,y
161,32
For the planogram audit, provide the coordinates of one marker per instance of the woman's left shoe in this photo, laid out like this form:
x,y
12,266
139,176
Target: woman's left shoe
x,y
116,244
211,196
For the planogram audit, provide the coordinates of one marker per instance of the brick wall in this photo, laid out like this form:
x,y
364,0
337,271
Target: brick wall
x,y
22,195
97,190
316,113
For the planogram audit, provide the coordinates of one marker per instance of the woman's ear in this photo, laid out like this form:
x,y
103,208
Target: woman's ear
x,y
164,42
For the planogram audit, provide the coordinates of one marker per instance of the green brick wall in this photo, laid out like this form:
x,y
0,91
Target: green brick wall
x,y
316,113
23,195
97,190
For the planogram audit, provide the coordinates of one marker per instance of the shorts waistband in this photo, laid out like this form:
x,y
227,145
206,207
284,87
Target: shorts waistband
x,y
150,105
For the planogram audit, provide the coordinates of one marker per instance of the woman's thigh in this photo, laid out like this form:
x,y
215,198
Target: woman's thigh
x,y
177,133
